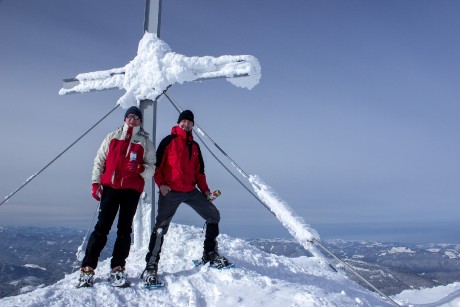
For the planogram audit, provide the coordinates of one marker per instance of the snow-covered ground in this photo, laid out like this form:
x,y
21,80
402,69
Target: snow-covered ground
x,y
258,279
447,296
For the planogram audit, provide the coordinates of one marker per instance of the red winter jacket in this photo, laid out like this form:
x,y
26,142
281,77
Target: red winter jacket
x,y
180,163
111,162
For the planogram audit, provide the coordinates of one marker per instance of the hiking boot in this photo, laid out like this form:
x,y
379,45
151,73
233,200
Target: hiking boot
x,y
118,277
86,278
215,260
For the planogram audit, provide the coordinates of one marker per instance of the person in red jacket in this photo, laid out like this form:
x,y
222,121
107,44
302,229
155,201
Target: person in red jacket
x,y
124,160
179,170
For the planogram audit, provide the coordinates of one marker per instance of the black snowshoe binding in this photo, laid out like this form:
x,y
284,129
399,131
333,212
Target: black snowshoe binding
x,y
215,260
86,278
118,277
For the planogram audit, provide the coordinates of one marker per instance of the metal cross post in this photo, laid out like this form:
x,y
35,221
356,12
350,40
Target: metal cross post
x,y
148,107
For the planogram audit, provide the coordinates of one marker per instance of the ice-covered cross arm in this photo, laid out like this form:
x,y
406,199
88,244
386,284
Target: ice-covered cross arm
x,y
156,67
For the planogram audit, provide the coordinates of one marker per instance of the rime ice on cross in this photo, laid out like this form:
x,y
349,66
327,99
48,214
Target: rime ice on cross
x,y
156,67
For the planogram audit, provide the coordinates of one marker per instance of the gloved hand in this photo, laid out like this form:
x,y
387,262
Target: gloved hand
x,y
135,166
96,191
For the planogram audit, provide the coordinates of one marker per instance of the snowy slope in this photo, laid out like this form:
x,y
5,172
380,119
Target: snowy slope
x,y
258,279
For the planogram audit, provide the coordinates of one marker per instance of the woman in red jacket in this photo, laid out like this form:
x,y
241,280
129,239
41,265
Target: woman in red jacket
x,y
124,160
179,170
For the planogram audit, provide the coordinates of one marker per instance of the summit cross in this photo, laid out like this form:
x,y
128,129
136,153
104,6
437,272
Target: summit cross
x,y
154,70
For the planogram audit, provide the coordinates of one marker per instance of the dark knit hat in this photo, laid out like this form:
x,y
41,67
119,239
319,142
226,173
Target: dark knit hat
x,y
134,110
187,114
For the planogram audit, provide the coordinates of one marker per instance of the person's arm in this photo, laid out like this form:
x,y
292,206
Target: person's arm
x,y
158,176
99,167
99,160
200,176
149,160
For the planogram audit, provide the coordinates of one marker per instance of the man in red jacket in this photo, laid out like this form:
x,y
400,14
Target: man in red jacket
x,y
179,170
124,160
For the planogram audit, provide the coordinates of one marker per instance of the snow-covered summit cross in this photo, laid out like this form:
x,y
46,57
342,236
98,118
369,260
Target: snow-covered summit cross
x,y
149,74
156,67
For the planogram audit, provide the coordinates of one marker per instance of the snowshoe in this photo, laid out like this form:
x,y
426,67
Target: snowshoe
x,y
118,278
150,277
215,261
86,278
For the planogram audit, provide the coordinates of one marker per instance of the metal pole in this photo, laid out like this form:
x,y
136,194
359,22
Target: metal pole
x,y
149,111
152,22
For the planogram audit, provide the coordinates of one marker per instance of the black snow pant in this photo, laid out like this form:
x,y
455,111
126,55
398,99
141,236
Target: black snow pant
x,y
167,207
113,201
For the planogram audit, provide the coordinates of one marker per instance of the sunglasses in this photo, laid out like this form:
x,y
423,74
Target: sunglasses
x,y
132,116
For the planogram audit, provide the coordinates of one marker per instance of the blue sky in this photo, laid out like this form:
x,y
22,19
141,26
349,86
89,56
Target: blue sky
x,y
354,123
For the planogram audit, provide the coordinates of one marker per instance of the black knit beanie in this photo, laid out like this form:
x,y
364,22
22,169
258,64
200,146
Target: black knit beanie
x,y
134,110
187,114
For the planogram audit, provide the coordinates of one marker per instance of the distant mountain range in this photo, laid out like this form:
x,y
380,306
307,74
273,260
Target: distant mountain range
x,y
34,257
390,266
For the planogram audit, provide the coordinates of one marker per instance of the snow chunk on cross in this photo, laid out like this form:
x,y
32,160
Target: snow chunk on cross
x,y
156,67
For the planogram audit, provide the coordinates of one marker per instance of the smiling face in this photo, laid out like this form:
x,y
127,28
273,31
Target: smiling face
x,y
186,125
132,120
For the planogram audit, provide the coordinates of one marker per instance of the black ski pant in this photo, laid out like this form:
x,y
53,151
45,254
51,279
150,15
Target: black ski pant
x,y
167,207
113,201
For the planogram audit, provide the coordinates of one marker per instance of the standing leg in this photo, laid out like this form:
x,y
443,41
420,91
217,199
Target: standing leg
x,y
98,238
210,213
167,206
129,200
210,242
